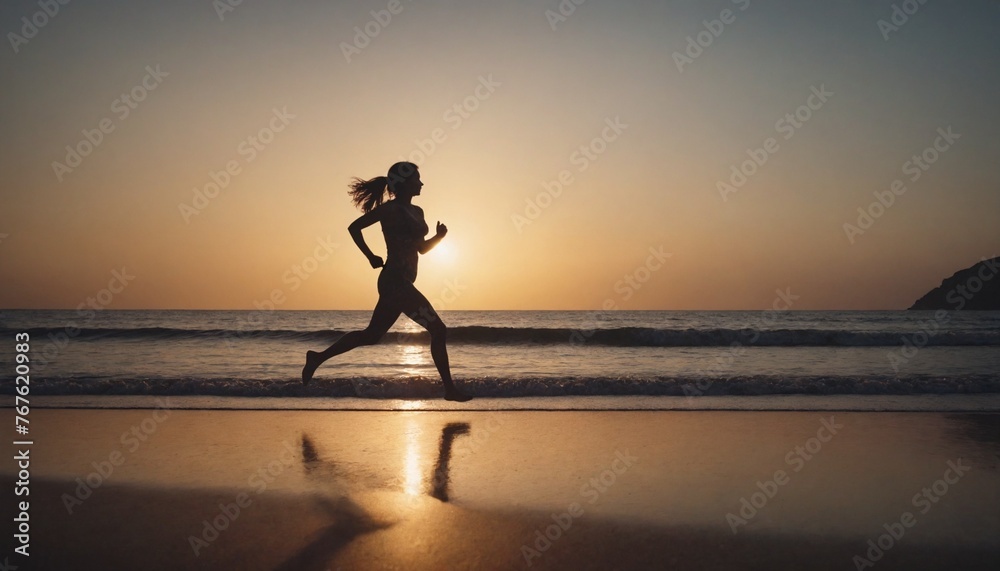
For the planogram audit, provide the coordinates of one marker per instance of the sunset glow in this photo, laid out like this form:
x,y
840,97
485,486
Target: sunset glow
x,y
215,151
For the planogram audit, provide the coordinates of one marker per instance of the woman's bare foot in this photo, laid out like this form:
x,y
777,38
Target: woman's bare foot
x,y
453,394
312,362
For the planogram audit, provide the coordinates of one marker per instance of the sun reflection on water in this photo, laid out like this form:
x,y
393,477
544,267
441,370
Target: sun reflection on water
x,y
414,359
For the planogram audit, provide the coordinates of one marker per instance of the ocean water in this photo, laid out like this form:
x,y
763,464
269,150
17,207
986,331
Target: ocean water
x,y
512,353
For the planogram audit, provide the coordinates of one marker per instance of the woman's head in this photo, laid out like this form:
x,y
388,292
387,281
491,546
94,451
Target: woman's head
x,y
403,179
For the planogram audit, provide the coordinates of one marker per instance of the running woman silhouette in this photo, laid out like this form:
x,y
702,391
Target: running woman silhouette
x,y
404,229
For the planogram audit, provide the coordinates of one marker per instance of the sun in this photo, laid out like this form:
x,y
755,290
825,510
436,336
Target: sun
x,y
444,252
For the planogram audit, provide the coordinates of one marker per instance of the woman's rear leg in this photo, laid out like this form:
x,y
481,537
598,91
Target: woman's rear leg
x,y
384,315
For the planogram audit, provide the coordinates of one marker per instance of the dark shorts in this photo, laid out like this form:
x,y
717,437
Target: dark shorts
x,y
393,281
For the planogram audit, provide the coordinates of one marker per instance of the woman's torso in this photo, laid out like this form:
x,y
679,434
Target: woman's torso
x,y
404,229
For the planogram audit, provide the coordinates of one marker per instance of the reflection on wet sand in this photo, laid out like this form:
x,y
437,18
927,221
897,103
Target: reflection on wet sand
x,y
441,477
309,457
693,468
983,429
350,520
413,477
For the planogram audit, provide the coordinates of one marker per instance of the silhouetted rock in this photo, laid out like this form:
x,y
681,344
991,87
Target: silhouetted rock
x,y
976,288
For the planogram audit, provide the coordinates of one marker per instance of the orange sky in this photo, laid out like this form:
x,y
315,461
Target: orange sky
x,y
494,105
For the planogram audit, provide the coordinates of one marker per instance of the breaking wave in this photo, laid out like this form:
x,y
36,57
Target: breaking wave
x,y
421,387
615,337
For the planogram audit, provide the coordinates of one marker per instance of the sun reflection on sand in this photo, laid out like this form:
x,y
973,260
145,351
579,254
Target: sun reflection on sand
x,y
412,473
412,405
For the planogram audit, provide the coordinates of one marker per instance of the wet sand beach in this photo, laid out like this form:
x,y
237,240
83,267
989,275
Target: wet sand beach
x,y
168,489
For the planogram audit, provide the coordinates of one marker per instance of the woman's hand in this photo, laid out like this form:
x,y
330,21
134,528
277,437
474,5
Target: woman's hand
x,y
376,261
426,245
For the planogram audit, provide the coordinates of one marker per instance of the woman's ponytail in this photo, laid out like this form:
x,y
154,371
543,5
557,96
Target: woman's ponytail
x,y
368,194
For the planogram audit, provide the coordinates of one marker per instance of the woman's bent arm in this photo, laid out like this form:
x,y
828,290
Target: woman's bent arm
x,y
361,223
426,245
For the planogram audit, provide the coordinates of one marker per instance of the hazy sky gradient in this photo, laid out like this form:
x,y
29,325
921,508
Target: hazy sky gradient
x,y
654,186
